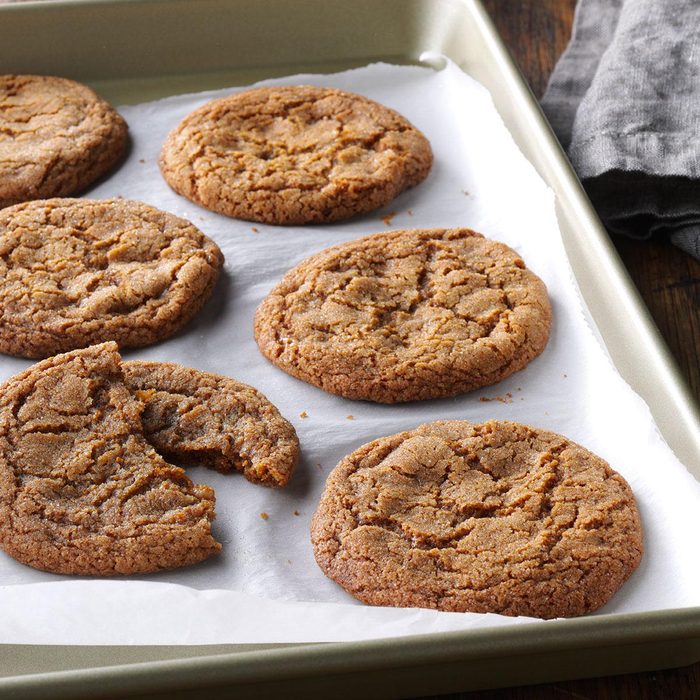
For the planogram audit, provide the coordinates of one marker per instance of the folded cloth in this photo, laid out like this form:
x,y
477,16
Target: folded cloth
x,y
624,101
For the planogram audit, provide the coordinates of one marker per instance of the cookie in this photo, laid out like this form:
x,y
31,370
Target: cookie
x,y
294,155
406,315
213,420
81,490
56,137
497,517
74,272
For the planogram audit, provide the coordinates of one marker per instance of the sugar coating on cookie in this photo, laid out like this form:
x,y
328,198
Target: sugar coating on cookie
x,y
497,517
406,315
56,137
192,415
294,155
75,272
81,490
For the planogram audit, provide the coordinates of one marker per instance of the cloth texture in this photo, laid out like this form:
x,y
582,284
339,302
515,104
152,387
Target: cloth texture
x,y
624,101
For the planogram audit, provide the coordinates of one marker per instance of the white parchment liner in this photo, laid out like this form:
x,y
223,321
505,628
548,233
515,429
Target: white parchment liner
x,y
265,585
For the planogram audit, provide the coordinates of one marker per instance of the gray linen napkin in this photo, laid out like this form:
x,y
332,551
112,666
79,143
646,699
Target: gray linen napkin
x,y
624,101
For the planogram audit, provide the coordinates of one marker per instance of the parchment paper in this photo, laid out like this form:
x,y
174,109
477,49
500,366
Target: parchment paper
x,y
265,585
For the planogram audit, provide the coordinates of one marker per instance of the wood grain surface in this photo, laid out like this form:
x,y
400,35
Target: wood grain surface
x,y
536,32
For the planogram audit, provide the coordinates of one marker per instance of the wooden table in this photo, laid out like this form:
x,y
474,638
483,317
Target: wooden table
x,y
536,32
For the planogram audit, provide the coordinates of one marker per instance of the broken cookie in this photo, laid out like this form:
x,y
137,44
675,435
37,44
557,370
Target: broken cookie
x,y
213,420
83,491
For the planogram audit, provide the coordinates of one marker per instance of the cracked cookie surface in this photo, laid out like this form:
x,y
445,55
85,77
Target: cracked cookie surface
x,y
81,490
56,137
192,415
294,155
74,272
497,517
406,315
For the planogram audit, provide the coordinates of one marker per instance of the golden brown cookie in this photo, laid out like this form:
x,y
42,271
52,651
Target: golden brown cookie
x,y
81,490
56,137
75,272
497,517
294,155
192,415
406,315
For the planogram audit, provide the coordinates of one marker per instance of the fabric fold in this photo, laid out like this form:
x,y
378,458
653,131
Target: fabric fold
x,y
624,100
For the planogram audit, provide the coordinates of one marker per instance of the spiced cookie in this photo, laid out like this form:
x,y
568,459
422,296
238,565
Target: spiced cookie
x,y
56,137
294,155
214,420
81,490
406,315
497,518
74,272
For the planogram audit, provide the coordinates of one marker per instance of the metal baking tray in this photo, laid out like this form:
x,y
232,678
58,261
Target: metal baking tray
x,y
135,50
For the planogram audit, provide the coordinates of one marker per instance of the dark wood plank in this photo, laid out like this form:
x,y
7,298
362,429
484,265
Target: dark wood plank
x,y
536,32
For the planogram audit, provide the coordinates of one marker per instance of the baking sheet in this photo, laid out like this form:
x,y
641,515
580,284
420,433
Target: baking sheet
x,y
259,588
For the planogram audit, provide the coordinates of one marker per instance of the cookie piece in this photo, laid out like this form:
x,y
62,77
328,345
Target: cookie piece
x,y
81,490
497,517
74,272
406,315
214,420
56,137
294,155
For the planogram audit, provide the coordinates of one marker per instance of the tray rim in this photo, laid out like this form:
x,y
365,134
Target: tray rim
x,y
620,629
291,661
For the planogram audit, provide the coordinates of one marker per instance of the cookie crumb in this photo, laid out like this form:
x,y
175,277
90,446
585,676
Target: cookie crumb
x,y
350,417
142,160
264,515
254,229
318,466
303,414
508,398
410,212
296,512
466,193
389,218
